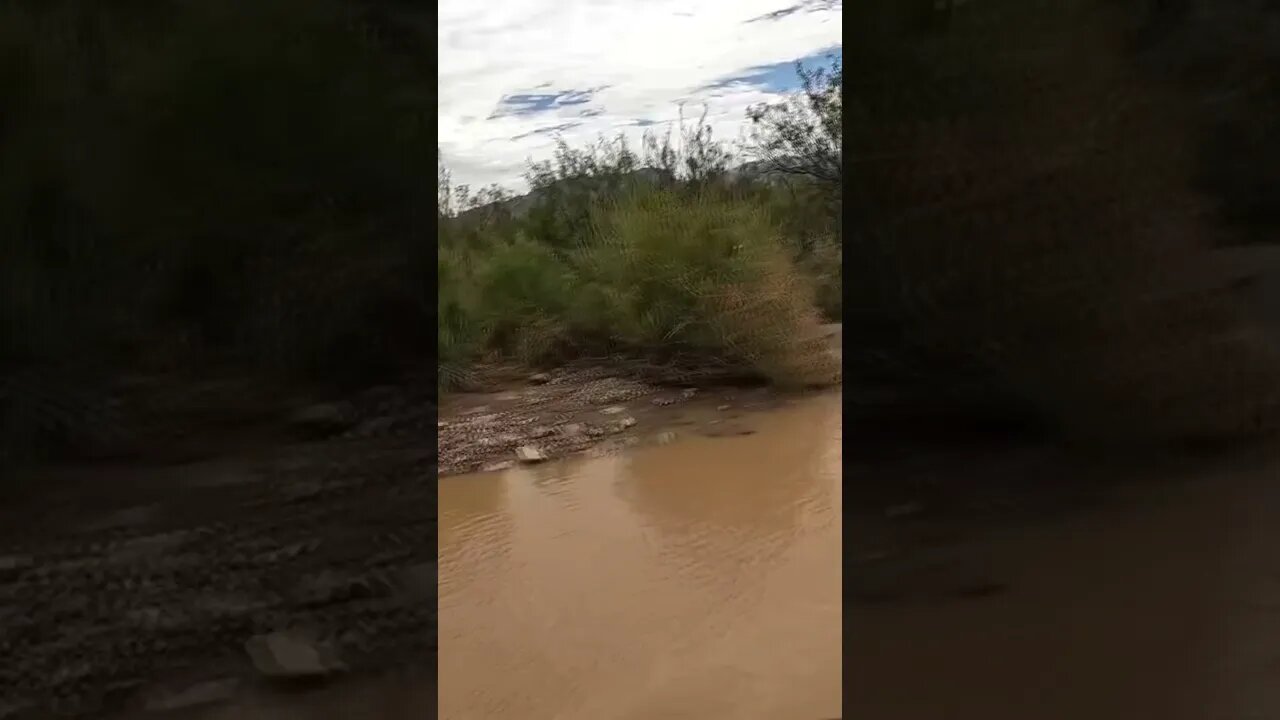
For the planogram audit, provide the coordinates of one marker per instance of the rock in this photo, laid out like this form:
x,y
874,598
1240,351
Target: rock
x,y
319,422
688,393
322,587
530,454
375,426
614,410
665,438
203,693
291,654
324,415
539,378
498,466
722,408
539,431
477,410
13,565
626,422
509,397
572,430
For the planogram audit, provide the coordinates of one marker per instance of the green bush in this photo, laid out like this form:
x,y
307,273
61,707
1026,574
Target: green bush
x,y
692,277
703,275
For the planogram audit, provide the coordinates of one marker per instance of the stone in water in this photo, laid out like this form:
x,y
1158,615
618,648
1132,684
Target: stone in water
x,y
530,454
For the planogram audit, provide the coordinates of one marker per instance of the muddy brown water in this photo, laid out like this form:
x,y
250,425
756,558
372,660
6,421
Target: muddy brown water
x,y
702,579
696,579
1138,590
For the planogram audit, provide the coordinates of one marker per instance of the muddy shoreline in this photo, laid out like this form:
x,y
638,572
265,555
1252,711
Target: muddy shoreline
x,y
534,417
547,416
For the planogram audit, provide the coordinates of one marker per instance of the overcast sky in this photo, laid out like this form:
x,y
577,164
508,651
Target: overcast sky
x,y
515,73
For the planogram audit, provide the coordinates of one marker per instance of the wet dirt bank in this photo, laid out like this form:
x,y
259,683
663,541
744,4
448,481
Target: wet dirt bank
x,y
537,416
1036,582
563,413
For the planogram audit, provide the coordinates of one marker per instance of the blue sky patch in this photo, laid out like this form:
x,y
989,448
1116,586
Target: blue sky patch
x,y
524,104
778,77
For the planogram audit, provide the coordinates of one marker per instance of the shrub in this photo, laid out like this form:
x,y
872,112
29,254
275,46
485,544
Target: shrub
x,y
703,275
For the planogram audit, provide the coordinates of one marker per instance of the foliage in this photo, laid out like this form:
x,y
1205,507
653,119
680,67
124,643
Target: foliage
x,y
655,254
803,135
673,276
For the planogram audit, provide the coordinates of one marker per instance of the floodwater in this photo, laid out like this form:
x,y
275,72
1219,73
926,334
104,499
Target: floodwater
x,y
1137,593
697,579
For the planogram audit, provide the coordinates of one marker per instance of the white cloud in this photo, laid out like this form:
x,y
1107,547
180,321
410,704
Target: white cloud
x,y
643,57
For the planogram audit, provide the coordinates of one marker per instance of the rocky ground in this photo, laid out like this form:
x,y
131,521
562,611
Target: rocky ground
x,y
553,415
534,417
154,589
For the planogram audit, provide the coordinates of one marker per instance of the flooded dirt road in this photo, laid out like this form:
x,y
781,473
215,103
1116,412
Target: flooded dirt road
x,y
1147,590
696,579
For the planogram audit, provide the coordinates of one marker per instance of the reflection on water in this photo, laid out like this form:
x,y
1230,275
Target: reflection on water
x,y
699,579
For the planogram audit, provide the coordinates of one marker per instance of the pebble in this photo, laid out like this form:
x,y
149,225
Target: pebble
x,y
614,410
530,454
13,564
284,654
320,419
204,693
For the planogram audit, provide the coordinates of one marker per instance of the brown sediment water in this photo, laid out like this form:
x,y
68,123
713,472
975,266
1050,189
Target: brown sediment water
x,y
1150,593
695,579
